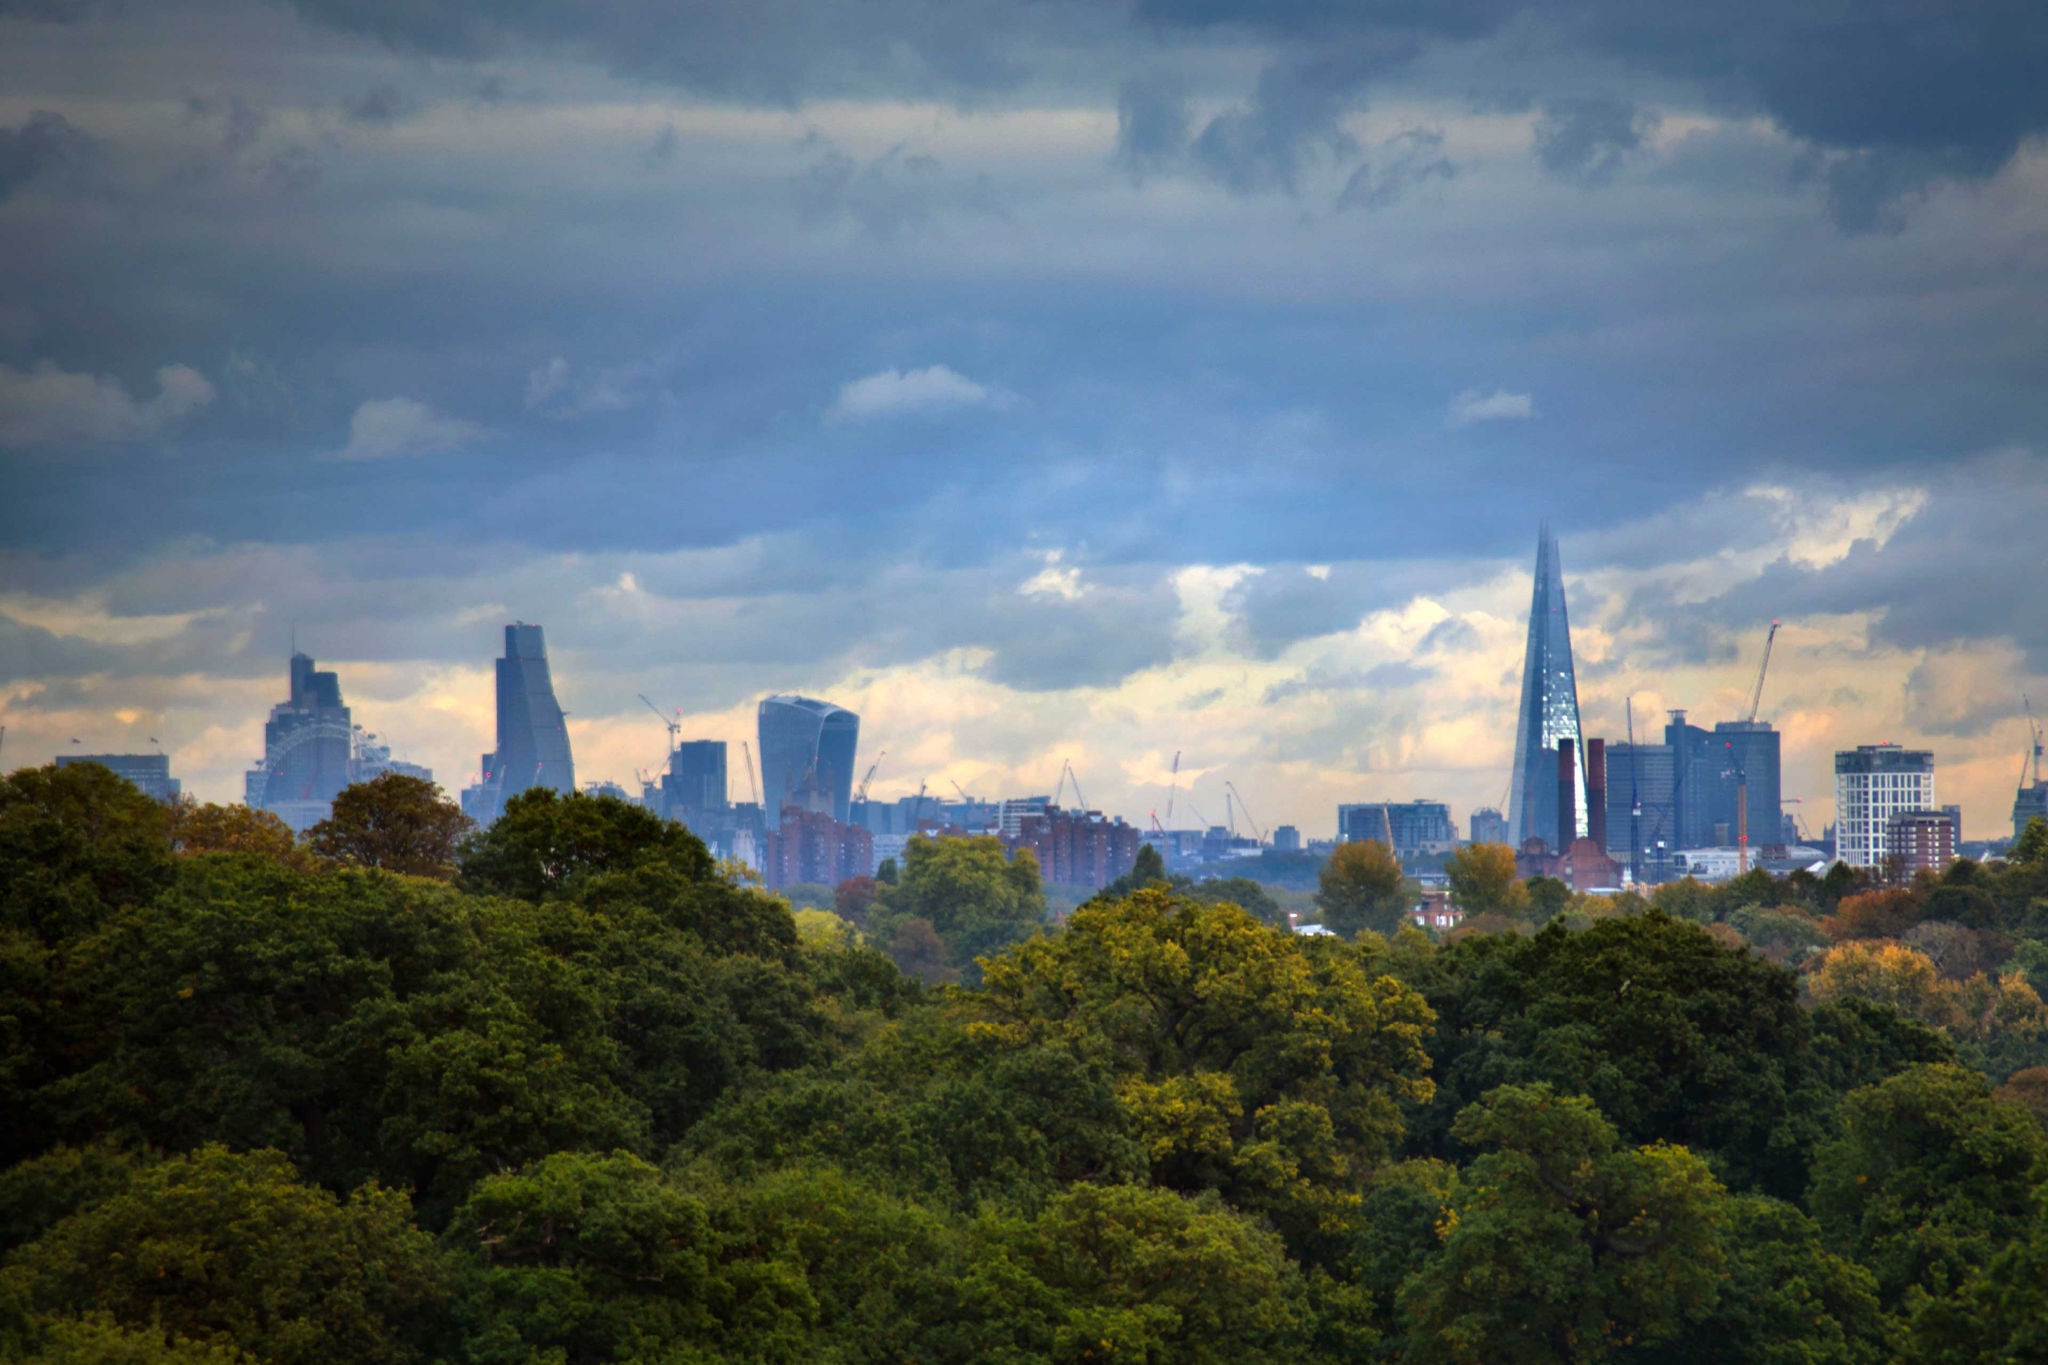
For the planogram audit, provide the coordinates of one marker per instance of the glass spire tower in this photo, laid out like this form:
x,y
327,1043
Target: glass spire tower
x,y
1550,710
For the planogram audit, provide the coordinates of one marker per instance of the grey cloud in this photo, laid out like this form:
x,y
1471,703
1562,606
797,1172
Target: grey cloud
x,y
1285,604
1151,128
885,195
1291,121
1588,139
380,105
1404,162
46,140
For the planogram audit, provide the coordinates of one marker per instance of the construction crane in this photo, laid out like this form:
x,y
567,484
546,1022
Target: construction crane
x,y
1231,789
963,792
1197,810
747,753
1756,696
861,793
1172,783
1067,774
674,726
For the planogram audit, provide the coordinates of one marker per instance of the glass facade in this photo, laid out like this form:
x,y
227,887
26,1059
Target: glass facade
x,y
807,755
533,731
308,743
1549,711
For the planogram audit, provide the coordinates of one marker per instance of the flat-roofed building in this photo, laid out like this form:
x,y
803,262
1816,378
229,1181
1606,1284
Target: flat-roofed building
x,y
1873,783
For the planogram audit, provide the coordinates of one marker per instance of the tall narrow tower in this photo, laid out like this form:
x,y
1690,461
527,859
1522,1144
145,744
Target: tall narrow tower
x,y
1550,709
533,736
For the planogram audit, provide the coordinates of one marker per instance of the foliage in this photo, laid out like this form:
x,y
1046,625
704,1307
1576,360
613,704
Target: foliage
x,y
545,843
1929,1178
1165,1132
1563,1245
235,829
223,1248
1260,1064
1483,881
394,822
1362,888
975,895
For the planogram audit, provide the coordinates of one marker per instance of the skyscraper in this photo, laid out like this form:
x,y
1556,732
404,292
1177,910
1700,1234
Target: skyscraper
x,y
1874,783
307,745
150,773
807,750
533,735
1550,709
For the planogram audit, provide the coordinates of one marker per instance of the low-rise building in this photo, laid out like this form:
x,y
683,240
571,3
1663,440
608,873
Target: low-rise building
x,y
149,773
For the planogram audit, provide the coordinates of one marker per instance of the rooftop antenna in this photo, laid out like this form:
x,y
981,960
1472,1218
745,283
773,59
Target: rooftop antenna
x,y
1635,801
2033,739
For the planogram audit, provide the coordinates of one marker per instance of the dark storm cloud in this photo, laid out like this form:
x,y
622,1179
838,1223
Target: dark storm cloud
x,y
1588,139
1151,128
45,141
1904,95
1403,163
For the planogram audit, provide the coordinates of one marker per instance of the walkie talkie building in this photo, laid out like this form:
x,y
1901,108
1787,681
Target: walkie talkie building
x,y
1550,709
807,749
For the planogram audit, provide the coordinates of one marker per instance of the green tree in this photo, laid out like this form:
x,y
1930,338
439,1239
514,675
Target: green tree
x,y
1928,1180
77,844
582,1257
1128,1273
1565,1245
1149,867
546,844
218,1247
1548,898
394,822
1264,1065
976,895
1674,1037
97,1339
1362,888
2031,848
1483,881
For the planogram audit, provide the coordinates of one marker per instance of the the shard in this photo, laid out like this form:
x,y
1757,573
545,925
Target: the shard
x,y
533,735
1550,710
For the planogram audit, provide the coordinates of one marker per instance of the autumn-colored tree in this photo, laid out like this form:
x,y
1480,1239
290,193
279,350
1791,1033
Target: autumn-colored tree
x,y
1886,973
1873,914
211,828
852,898
394,822
2027,1087
1483,881
1362,888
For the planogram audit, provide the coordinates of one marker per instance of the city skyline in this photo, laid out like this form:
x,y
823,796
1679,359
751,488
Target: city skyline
x,y
1142,798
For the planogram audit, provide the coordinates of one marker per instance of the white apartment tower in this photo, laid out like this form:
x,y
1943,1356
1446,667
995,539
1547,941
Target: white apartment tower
x,y
1873,783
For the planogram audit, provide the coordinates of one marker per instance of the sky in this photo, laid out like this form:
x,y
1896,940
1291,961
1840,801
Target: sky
x,y
1047,382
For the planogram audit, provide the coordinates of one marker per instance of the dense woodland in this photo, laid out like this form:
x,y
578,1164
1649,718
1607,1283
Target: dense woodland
x,y
569,1091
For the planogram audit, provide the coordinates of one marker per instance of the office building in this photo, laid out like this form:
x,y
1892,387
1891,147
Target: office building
x,y
1489,826
1920,841
1417,827
533,732
1549,711
1286,839
694,788
1873,783
148,773
807,755
2031,803
1750,761
308,748
1642,808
